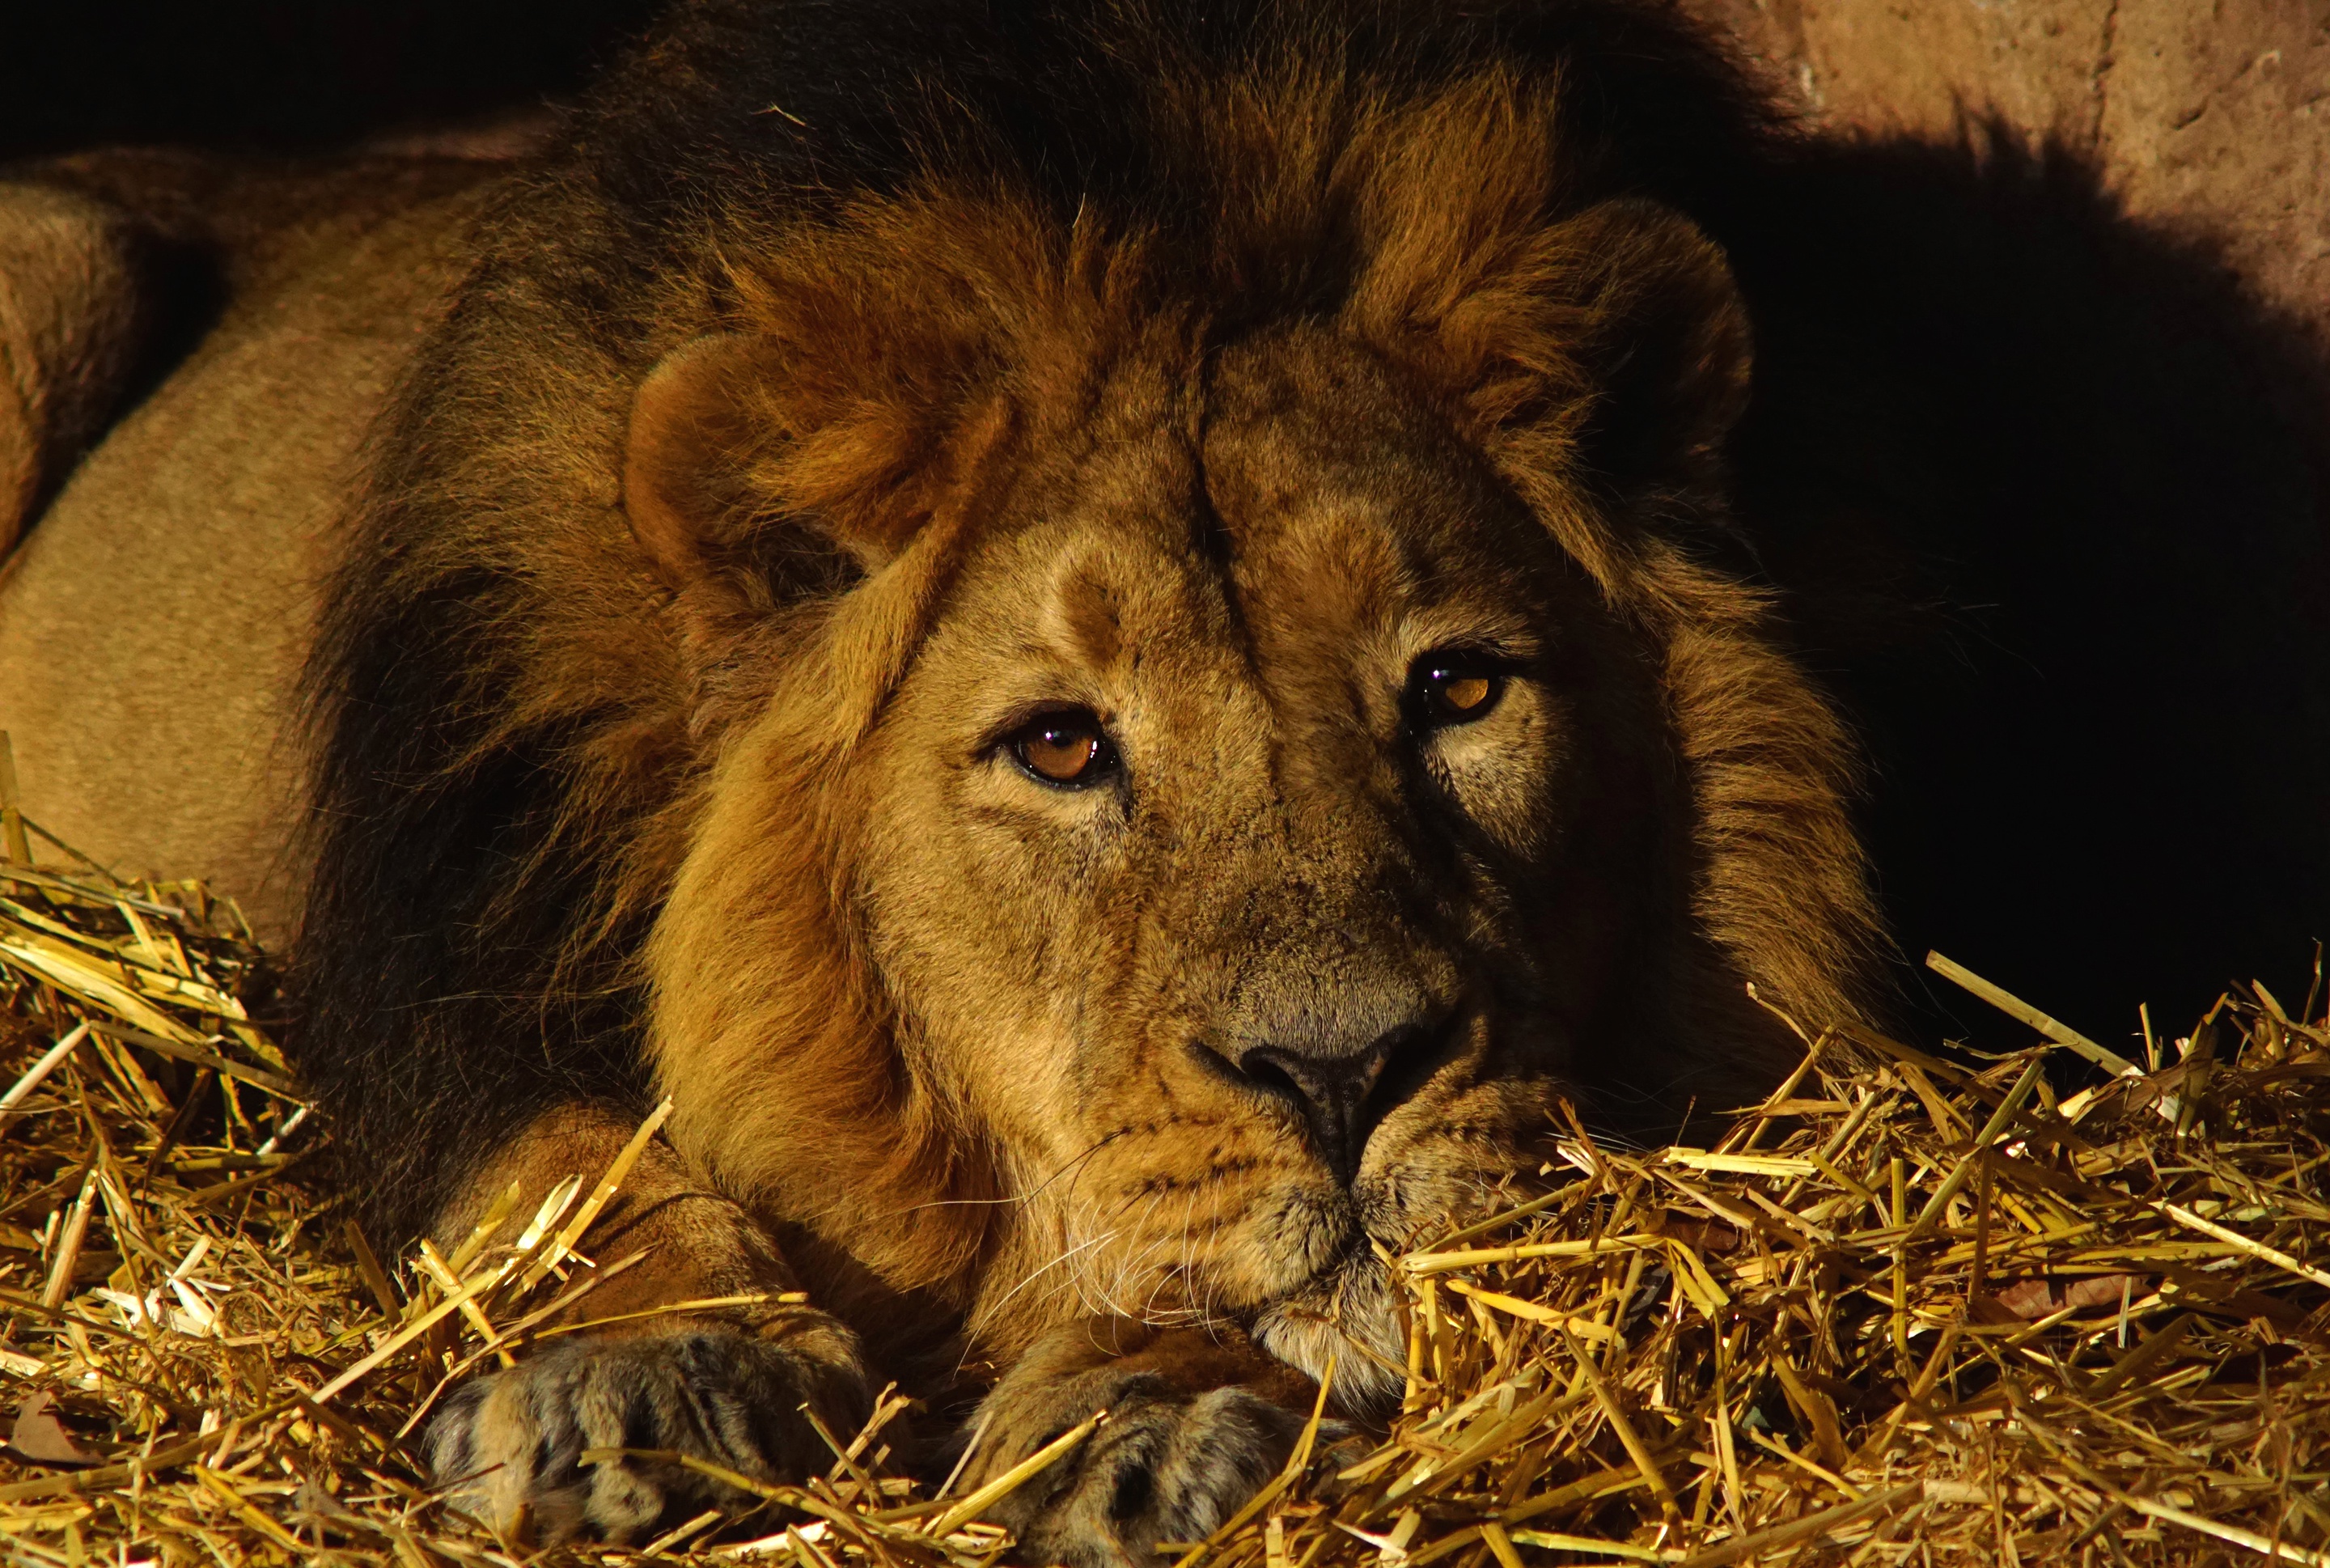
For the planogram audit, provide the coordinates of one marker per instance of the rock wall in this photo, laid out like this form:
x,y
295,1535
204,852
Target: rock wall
x,y
2043,331
2205,114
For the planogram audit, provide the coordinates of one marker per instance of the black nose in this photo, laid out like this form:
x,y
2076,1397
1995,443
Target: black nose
x,y
1341,1095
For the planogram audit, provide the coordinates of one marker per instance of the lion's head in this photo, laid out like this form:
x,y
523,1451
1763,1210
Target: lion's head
x,y
1219,714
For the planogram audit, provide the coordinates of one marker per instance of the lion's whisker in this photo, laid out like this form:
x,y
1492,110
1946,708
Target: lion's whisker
x,y
1017,1199
1065,1257
1128,1267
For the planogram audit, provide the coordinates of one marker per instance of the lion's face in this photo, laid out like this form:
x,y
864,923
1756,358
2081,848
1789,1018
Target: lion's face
x,y
1251,835
1199,757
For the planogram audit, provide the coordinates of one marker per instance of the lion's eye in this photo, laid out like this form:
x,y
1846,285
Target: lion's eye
x,y
1449,688
1064,748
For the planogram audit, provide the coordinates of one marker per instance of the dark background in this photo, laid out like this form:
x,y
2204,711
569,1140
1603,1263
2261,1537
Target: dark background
x,y
2055,478
287,75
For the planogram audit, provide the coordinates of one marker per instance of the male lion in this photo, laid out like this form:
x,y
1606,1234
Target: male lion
x,y
1106,638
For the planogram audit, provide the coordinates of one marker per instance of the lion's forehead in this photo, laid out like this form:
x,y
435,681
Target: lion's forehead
x,y
1319,533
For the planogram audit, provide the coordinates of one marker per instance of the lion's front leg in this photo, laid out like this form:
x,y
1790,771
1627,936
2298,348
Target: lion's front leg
x,y
1198,1419
727,1385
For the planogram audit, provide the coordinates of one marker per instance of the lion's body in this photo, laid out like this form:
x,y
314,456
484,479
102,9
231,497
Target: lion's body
x,y
797,440
153,627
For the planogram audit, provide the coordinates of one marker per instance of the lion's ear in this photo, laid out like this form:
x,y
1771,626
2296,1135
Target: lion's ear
x,y
1664,337
691,445
1613,343
746,449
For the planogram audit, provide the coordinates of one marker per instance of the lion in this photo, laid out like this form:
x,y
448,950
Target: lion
x,y
1110,645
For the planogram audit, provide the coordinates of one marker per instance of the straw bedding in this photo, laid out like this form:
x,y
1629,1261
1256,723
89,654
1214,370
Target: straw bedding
x,y
1913,1309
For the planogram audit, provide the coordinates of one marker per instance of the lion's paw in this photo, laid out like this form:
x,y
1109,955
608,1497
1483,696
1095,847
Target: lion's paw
x,y
508,1448
1166,1464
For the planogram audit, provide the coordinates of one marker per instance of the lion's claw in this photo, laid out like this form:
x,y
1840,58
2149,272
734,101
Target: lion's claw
x,y
508,1448
1167,1464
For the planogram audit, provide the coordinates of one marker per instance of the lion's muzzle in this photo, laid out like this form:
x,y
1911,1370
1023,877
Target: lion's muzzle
x,y
1342,1088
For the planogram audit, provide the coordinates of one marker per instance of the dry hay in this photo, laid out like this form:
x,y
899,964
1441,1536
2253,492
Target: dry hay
x,y
1909,1309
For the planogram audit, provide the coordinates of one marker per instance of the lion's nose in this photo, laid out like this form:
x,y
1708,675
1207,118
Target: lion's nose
x,y
1335,1091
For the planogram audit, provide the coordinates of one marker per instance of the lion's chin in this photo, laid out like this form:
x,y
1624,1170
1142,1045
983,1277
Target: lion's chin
x,y
1343,1319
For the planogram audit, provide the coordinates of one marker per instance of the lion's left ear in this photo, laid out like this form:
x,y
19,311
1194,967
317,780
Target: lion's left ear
x,y
1664,337
1611,345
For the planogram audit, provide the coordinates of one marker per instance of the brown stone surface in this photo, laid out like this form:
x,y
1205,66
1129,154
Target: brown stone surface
x,y
2209,116
2044,363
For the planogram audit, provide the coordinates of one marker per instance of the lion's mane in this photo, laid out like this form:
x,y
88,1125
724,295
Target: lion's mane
x,y
518,706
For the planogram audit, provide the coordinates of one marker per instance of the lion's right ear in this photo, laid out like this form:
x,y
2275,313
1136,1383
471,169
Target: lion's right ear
x,y
691,446
739,440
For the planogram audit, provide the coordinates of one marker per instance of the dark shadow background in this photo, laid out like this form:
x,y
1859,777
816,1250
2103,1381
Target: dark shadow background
x,y
287,75
2044,490
2060,484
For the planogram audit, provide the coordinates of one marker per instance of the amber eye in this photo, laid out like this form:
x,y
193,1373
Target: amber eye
x,y
1067,747
1453,688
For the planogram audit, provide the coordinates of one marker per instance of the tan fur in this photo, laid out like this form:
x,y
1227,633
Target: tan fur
x,y
70,304
680,1241
153,624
